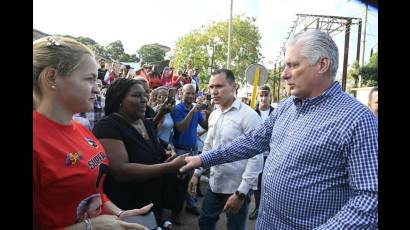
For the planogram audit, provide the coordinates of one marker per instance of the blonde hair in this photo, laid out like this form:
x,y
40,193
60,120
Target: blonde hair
x,y
61,53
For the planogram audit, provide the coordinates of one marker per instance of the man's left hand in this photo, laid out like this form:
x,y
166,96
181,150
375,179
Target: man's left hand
x,y
233,204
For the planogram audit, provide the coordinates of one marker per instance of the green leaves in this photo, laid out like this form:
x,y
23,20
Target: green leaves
x,y
207,48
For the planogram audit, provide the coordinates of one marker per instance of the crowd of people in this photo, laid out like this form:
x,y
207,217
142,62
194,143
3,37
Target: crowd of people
x,y
113,144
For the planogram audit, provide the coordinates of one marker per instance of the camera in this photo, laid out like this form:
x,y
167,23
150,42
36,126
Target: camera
x,y
208,97
202,107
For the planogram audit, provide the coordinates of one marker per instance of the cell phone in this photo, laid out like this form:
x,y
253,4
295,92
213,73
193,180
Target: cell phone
x,y
208,97
147,220
171,93
202,107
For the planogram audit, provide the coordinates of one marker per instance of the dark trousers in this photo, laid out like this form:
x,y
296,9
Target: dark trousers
x,y
212,207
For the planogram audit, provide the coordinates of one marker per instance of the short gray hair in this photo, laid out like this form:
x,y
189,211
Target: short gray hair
x,y
317,45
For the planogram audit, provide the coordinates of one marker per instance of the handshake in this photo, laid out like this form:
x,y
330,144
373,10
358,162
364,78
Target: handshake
x,y
182,164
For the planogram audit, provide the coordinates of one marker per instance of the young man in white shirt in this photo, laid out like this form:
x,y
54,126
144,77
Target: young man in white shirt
x,y
264,109
231,184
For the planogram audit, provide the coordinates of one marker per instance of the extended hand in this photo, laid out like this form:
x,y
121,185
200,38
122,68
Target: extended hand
x,y
111,222
177,163
193,185
233,204
191,162
136,212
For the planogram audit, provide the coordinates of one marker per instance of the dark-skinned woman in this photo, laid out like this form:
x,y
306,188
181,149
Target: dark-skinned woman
x,y
137,159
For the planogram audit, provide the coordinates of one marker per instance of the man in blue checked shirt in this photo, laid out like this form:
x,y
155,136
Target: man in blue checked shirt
x,y
321,172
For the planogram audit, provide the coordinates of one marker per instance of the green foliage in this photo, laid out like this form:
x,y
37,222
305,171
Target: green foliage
x,y
353,73
115,50
129,58
192,49
370,72
153,54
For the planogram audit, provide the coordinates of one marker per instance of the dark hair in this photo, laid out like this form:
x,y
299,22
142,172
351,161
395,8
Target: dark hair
x,y
265,87
375,89
116,92
228,73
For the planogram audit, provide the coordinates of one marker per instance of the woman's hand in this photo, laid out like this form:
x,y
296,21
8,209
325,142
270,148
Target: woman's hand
x,y
177,163
111,222
136,212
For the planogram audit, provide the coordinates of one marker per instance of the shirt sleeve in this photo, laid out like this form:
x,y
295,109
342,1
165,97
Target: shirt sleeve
x,y
107,128
200,116
254,165
243,147
361,210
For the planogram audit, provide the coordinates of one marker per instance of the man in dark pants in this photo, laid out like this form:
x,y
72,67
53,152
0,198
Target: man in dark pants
x,y
186,118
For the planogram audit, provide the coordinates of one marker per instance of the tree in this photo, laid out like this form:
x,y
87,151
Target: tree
x,y
94,46
129,58
152,54
193,49
115,50
353,74
370,72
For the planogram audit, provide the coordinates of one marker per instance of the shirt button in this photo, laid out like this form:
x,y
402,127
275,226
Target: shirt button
x,y
300,115
269,174
290,133
264,213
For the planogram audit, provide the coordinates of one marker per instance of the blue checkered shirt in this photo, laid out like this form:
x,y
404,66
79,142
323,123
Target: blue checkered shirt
x,y
321,172
98,111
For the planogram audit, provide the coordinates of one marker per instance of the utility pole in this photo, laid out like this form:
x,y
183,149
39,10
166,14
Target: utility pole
x,y
228,63
364,42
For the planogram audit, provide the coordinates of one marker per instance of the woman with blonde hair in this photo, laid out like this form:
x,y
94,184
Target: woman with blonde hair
x,y
69,163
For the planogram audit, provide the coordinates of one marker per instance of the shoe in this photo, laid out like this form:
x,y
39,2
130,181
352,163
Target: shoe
x,y
175,219
167,225
253,215
192,210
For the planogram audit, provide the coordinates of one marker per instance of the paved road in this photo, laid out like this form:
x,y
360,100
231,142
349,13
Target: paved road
x,y
190,222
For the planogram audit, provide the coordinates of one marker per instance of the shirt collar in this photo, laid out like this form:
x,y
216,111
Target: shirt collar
x,y
333,89
236,104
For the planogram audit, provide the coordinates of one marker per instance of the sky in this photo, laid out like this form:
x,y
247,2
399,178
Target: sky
x,y
140,22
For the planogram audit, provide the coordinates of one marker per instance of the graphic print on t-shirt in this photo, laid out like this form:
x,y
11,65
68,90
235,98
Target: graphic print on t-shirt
x,y
91,142
73,158
92,205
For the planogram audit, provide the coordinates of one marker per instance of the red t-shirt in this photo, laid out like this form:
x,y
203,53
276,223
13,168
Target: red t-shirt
x,y
69,166
154,82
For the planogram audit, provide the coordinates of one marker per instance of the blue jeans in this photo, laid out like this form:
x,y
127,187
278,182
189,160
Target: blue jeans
x,y
212,207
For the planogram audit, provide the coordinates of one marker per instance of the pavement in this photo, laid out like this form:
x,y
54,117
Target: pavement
x,y
190,221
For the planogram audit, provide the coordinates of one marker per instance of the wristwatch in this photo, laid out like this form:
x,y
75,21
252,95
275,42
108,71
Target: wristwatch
x,y
240,195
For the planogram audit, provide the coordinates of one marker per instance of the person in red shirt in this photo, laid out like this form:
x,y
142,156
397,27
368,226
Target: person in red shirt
x,y
177,80
186,79
69,163
166,76
154,80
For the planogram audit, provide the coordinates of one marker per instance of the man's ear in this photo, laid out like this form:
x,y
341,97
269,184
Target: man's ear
x,y
234,86
324,65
